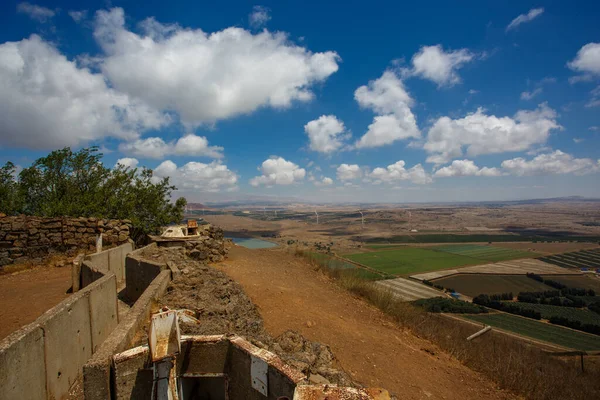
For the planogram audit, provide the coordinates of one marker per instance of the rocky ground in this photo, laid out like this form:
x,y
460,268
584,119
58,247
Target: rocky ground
x,y
223,307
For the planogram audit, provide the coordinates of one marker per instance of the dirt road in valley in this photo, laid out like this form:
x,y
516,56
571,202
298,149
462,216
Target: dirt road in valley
x,y
290,294
25,295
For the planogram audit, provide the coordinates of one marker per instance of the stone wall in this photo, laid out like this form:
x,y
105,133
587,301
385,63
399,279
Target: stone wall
x,y
25,238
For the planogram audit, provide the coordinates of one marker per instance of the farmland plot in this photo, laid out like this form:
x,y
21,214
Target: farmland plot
x,y
548,311
473,285
410,260
486,253
539,330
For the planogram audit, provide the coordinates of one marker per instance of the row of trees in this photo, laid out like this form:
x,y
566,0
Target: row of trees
x,y
77,184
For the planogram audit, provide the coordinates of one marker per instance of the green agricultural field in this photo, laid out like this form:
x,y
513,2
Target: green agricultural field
x,y
576,314
539,330
410,260
485,252
476,284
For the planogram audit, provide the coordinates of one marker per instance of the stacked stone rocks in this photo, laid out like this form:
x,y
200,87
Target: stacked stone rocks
x,y
25,238
210,246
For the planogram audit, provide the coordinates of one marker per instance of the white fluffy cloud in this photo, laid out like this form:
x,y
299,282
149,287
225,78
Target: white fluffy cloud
x,y
278,171
127,162
155,147
388,98
397,172
346,172
47,101
523,18
488,134
586,62
555,163
196,176
35,12
439,66
465,168
259,16
326,134
324,182
208,77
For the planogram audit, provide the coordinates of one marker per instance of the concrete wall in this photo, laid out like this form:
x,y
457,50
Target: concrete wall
x,y
215,360
139,273
96,372
43,359
24,237
111,260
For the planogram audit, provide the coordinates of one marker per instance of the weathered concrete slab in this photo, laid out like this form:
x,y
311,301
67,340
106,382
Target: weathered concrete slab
x,y
132,374
67,343
96,378
139,275
99,260
103,310
23,371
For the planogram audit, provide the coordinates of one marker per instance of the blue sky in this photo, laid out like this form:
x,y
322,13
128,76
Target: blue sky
x,y
374,101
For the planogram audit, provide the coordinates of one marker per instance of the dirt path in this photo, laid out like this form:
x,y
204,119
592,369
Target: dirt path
x,y
369,346
27,294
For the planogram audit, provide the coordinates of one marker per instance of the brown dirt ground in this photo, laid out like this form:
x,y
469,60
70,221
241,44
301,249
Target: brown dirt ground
x,y
27,294
290,294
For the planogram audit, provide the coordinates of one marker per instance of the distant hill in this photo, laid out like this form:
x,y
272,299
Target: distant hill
x,y
195,206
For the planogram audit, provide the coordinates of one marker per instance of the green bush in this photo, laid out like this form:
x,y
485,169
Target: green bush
x,y
441,304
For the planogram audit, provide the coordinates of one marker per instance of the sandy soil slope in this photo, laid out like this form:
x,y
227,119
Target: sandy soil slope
x,y
369,346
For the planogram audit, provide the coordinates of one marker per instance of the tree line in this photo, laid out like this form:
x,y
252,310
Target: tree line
x,y
77,184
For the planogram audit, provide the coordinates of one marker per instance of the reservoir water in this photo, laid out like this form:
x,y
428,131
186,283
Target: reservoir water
x,y
252,243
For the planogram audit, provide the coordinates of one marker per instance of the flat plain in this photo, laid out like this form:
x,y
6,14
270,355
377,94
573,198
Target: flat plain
x,y
476,284
410,260
539,330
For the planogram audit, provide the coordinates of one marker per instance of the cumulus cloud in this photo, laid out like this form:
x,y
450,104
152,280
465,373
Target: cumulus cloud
x,y
388,98
325,181
346,172
439,66
326,134
555,163
523,18
397,172
465,168
35,12
127,162
488,134
155,147
278,171
78,16
586,62
196,176
208,77
259,16
47,101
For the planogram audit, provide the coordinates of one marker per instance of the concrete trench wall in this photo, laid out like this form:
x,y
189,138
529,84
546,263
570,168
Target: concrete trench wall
x,y
146,282
43,359
223,363
111,260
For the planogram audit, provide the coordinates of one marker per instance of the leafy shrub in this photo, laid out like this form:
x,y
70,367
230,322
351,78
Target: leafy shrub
x,y
441,304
